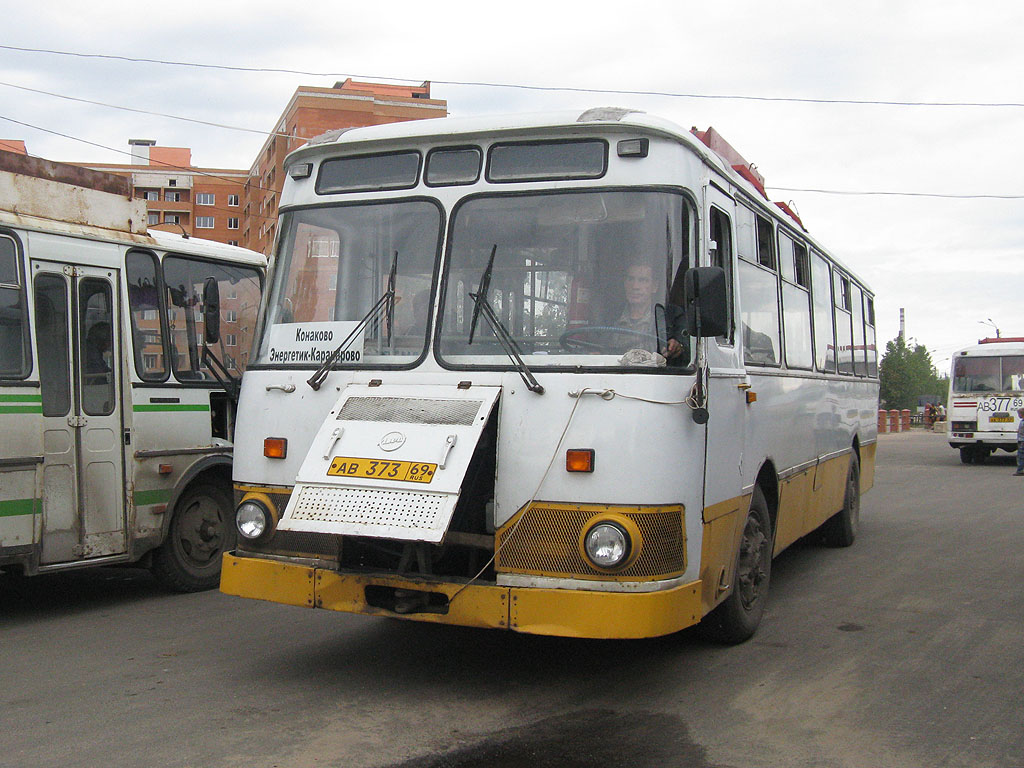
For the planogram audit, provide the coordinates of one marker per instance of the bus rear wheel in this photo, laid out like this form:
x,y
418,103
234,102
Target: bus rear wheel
x,y
840,530
966,454
737,617
200,532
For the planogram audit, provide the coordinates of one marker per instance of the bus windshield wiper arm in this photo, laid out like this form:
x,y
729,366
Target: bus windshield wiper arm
x,y
391,290
505,338
485,286
387,299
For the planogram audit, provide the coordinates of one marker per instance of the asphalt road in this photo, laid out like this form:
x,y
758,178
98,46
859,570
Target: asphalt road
x,y
903,650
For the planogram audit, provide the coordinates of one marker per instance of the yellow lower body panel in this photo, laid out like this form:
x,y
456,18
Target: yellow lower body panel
x,y
561,612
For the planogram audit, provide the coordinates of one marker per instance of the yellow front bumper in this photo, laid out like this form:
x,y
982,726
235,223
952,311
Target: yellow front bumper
x,y
563,612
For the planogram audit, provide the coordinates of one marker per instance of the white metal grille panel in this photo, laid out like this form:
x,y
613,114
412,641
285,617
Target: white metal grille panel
x,y
410,410
370,512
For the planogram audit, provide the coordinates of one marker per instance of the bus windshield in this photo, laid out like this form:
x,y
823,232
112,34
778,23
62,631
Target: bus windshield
x,y
576,279
334,264
989,374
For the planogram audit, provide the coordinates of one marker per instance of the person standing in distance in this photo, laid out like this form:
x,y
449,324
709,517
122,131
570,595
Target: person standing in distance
x,y
1020,442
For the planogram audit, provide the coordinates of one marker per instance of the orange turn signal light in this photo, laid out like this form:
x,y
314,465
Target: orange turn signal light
x,y
579,460
275,447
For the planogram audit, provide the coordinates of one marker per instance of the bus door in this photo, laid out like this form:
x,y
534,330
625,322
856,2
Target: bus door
x,y
724,505
76,322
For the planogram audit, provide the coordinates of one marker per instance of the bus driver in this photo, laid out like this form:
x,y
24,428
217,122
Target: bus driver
x,y
642,290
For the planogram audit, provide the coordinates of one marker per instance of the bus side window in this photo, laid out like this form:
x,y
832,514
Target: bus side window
x,y
844,322
824,329
870,345
765,243
759,290
860,363
14,357
144,305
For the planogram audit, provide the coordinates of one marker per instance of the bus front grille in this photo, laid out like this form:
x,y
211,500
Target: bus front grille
x,y
544,540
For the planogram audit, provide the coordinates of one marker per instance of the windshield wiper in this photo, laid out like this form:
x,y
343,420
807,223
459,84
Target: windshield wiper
x,y
391,289
387,299
485,286
482,306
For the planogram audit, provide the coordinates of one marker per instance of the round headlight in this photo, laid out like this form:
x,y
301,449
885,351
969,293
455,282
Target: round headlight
x,y
607,545
252,520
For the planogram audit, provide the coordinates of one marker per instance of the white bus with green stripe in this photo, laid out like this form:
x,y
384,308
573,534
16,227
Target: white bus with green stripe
x,y
121,350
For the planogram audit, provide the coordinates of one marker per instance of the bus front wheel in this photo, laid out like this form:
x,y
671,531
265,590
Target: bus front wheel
x,y
841,529
200,532
736,618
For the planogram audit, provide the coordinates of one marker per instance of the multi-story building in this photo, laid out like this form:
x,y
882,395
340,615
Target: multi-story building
x,y
239,207
312,112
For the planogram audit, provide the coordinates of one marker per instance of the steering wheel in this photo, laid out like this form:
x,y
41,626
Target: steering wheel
x,y
569,340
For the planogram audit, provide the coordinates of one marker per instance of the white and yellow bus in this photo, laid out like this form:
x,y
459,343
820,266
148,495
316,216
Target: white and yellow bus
x,y
116,425
569,375
986,387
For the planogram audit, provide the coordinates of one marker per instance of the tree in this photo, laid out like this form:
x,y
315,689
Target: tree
x,y
907,374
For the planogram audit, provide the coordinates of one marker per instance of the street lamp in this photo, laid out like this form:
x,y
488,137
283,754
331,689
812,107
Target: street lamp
x,y
989,322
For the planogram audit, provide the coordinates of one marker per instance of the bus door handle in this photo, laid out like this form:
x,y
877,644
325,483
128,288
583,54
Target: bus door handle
x,y
335,436
449,443
287,388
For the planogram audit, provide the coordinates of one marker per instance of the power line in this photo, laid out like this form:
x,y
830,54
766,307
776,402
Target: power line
x,y
520,86
896,194
809,190
145,111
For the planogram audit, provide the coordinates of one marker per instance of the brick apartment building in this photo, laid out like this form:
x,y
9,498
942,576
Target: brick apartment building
x,y
239,207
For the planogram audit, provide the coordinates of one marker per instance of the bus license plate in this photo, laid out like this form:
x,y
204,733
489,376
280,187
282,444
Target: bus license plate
x,y
380,469
1001,419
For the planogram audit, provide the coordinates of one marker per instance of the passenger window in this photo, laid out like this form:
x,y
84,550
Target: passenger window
x,y
844,324
144,306
786,256
759,315
14,347
824,328
860,363
870,343
800,267
765,243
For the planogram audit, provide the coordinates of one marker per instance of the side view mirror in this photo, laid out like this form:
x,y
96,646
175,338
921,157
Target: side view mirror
x,y
706,302
211,310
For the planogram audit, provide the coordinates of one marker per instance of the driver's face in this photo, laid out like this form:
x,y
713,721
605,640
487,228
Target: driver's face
x,y
640,286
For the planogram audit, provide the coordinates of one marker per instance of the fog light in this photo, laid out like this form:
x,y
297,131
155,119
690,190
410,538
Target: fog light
x,y
252,519
607,545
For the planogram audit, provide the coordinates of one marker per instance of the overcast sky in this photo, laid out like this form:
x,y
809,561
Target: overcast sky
x,y
949,262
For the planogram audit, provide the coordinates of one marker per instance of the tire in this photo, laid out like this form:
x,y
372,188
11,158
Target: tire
x,y
737,617
966,454
980,455
841,529
200,532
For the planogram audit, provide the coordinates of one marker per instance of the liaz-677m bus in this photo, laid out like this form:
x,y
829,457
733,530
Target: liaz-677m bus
x,y
985,390
116,383
569,375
